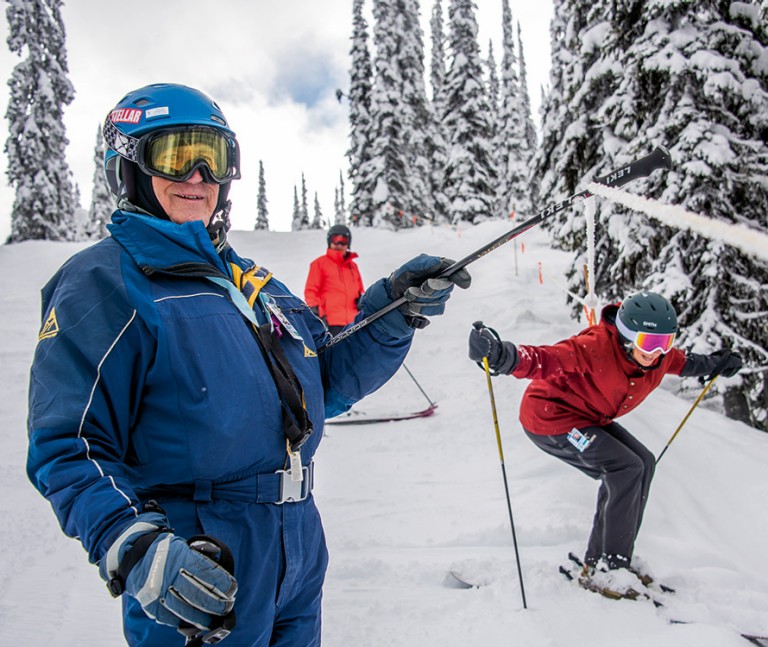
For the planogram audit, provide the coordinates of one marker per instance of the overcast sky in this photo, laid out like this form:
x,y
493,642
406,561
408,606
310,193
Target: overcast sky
x,y
272,66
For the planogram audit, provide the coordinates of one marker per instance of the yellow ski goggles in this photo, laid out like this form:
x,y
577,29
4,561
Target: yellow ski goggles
x,y
175,154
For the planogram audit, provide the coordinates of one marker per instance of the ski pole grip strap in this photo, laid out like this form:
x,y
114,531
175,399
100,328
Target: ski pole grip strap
x,y
140,547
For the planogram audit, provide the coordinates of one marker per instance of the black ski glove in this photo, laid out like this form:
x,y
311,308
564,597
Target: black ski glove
x,y
425,293
485,342
722,362
315,310
727,363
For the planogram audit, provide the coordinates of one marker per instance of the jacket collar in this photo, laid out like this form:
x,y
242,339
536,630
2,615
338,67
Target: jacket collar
x,y
340,257
159,244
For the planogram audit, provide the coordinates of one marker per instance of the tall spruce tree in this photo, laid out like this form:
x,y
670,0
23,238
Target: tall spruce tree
x,y
102,202
437,71
304,204
497,136
514,149
340,204
262,212
438,151
402,118
471,172
525,98
318,222
297,220
361,172
695,83
44,206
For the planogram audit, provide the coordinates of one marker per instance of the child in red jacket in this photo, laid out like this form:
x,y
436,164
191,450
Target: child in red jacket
x,y
579,386
334,285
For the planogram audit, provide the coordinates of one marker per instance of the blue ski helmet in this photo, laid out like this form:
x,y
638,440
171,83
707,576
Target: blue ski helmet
x,y
160,107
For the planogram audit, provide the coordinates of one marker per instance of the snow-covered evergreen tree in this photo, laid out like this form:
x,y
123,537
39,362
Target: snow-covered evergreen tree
x,y
493,83
691,76
514,150
402,118
471,173
262,212
318,222
44,205
102,202
497,137
525,98
339,204
304,204
359,154
438,150
437,71
297,219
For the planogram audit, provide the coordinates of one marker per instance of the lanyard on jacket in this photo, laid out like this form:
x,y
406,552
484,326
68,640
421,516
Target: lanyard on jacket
x,y
297,426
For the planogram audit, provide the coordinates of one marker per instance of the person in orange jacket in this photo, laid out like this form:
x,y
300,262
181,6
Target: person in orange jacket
x,y
334,285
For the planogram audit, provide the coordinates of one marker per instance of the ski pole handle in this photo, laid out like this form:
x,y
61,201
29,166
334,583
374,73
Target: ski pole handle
x,y
659,158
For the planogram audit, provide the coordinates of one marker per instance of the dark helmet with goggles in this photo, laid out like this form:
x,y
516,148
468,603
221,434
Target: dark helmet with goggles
x,y
339,230
169,131
647,321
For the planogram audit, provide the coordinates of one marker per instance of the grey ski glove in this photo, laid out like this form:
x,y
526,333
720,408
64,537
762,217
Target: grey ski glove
x,y
175,582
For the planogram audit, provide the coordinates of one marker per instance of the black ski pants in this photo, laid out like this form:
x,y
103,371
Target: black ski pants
x,y
625,468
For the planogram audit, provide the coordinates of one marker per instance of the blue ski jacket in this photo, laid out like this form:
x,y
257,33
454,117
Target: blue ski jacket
x,y
148,382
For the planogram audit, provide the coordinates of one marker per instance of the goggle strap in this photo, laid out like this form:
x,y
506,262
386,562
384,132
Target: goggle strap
x,y
124,145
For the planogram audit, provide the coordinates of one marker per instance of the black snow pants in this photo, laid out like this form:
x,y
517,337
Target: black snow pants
x,y
625,468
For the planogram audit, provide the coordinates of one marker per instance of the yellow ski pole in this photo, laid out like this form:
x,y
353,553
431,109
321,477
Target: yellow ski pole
x,y
687,415
504,473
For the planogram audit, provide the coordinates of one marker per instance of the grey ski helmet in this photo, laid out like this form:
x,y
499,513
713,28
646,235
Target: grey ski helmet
x,y
339,230
647,312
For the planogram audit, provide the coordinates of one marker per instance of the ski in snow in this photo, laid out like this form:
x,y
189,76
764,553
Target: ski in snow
x,y
359,418
572,571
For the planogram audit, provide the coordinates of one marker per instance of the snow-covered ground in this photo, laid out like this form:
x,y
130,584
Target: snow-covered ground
x,y
403,503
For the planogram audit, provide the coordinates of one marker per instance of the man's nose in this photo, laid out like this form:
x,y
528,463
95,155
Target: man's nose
x,y
196,177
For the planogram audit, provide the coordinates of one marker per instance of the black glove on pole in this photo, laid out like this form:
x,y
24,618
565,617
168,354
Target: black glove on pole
x,y
485,342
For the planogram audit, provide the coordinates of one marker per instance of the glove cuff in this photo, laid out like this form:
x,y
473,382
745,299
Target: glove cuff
x,y
129,548
508,360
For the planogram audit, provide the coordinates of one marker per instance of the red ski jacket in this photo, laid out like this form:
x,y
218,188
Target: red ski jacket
x,y
334,286
586,380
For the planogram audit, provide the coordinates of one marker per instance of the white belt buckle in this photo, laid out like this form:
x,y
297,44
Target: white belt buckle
x,y
293,491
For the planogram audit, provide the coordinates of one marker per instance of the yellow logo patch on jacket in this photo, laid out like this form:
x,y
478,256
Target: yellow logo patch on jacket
x,y
50,327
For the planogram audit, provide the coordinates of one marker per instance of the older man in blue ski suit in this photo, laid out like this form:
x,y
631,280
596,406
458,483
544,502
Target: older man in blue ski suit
x,y
177,391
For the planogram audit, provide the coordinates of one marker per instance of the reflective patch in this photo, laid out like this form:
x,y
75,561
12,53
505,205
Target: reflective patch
x,y
50,327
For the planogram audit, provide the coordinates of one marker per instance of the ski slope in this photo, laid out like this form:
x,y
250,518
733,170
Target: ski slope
x,y
405,502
